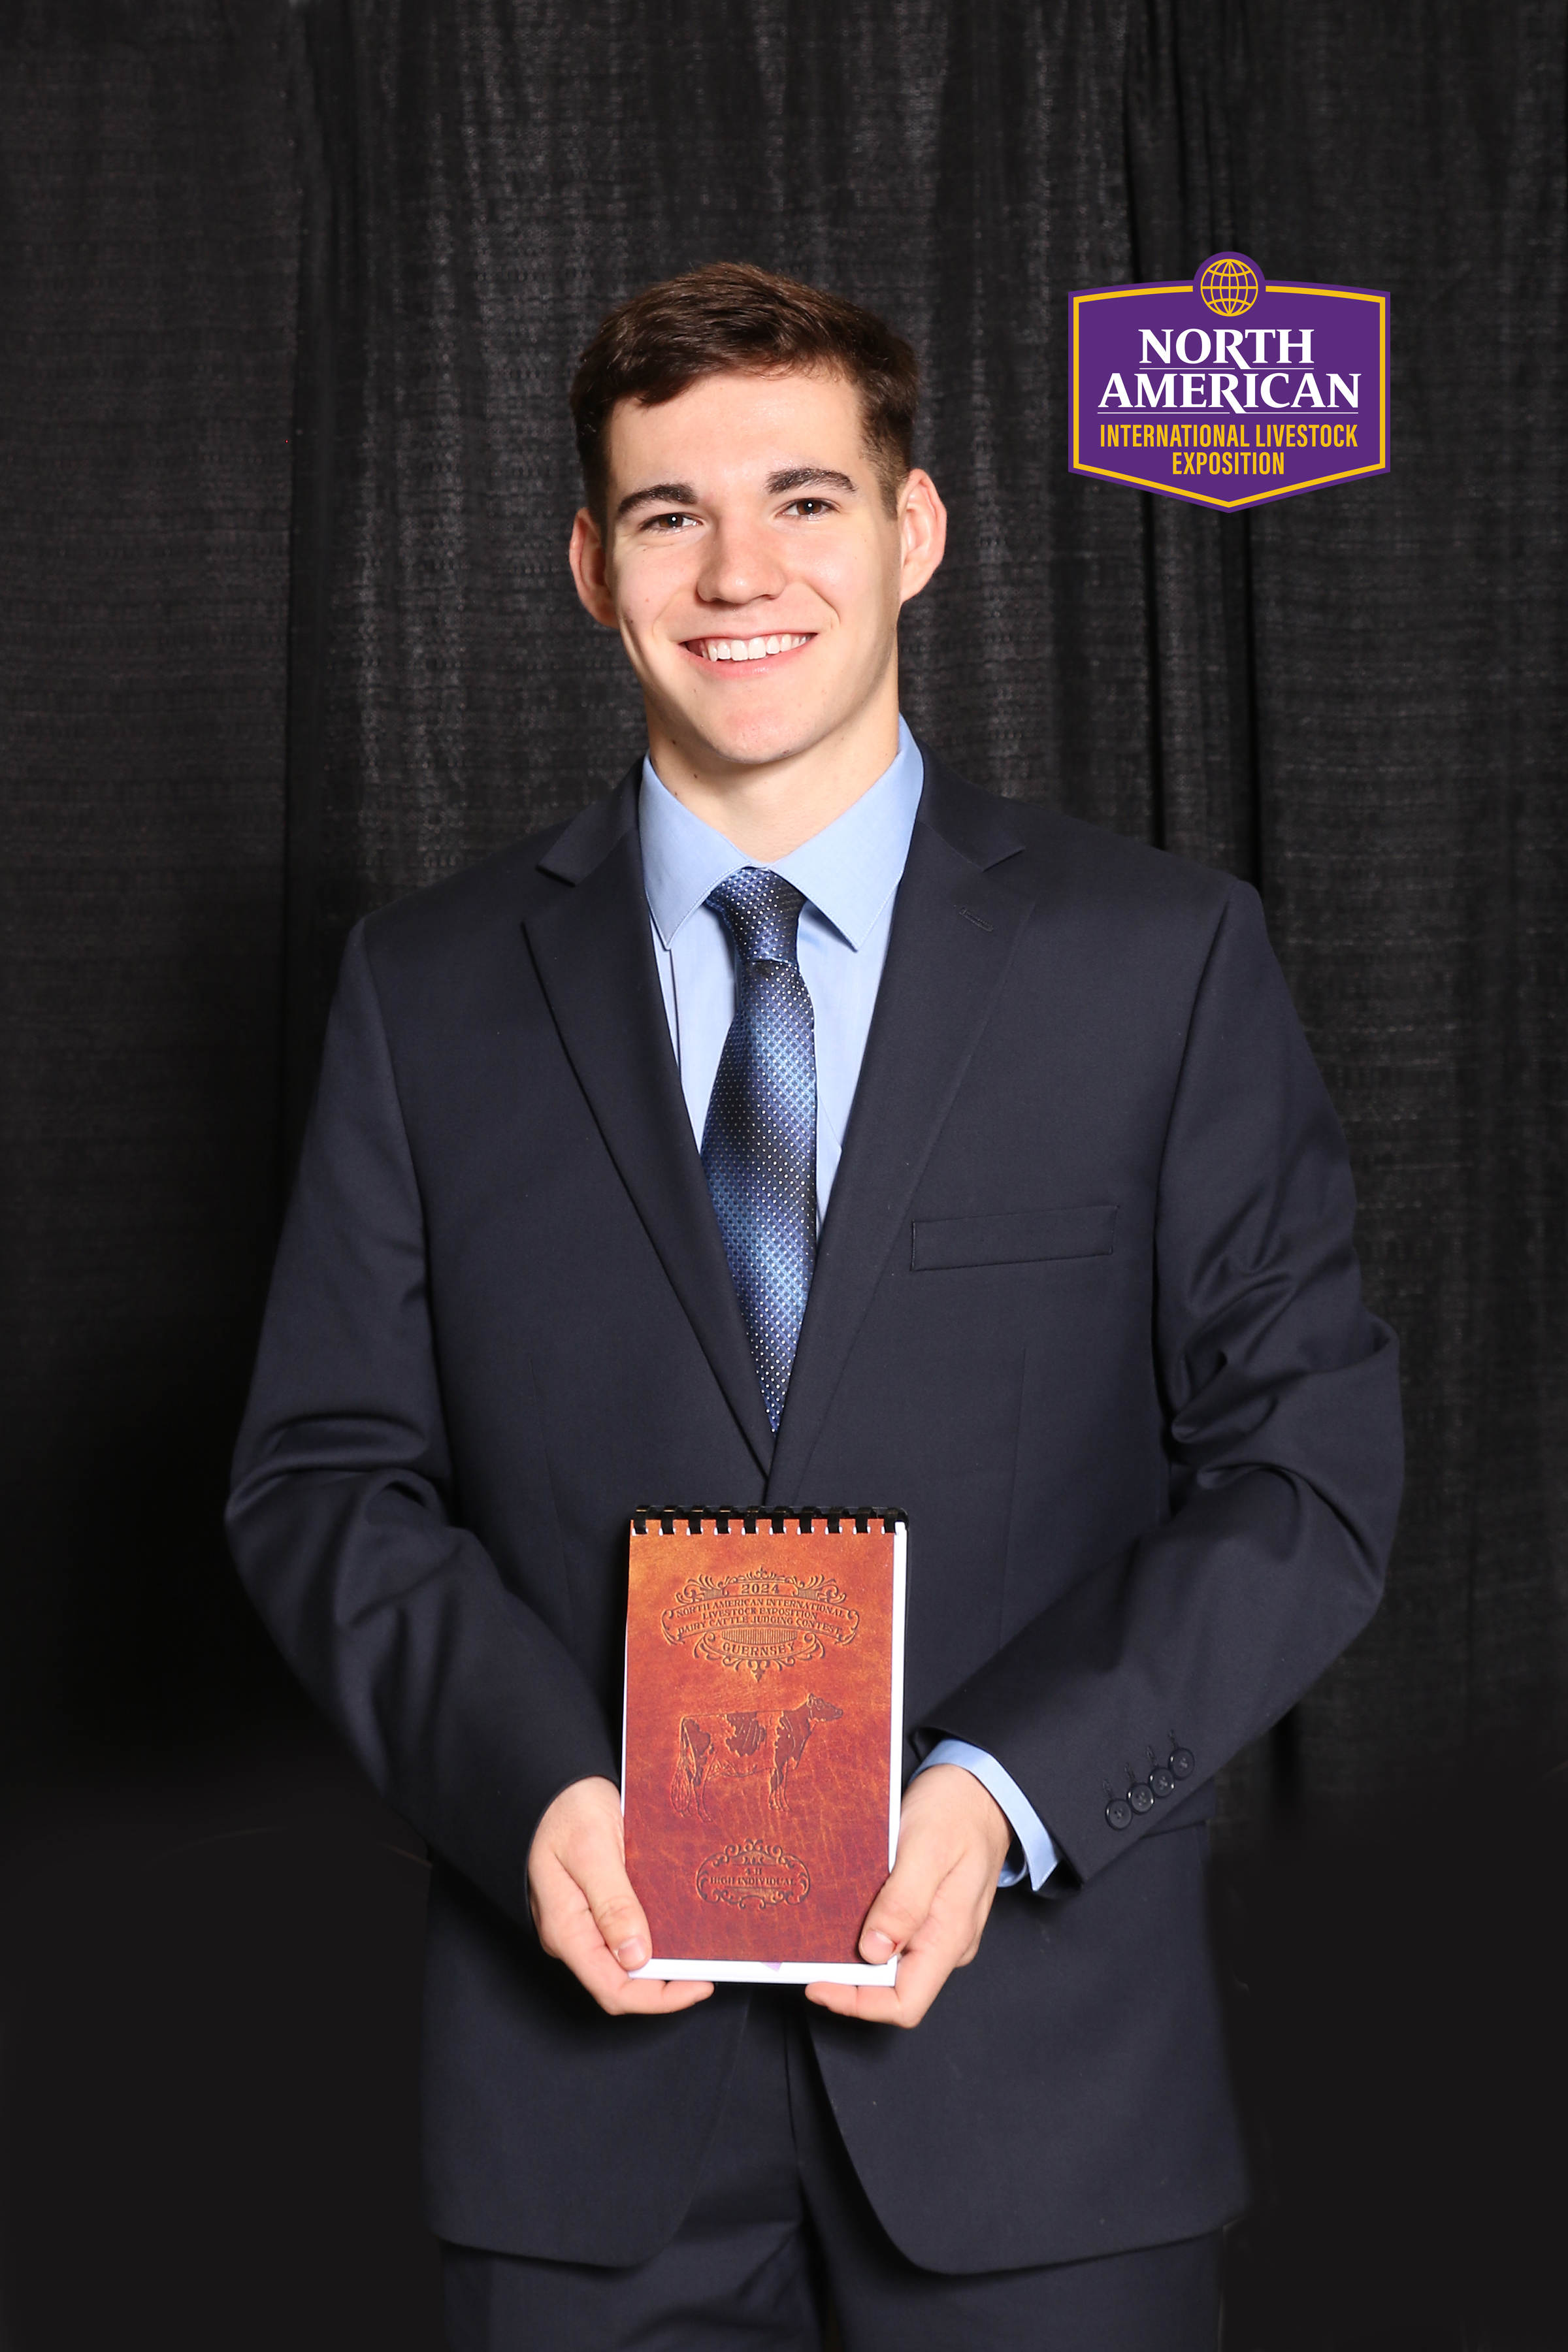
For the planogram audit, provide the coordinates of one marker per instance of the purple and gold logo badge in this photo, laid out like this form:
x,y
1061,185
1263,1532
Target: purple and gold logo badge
x,y
1228,390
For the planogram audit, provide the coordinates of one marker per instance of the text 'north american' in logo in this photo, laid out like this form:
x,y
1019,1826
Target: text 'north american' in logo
x,y
1227,389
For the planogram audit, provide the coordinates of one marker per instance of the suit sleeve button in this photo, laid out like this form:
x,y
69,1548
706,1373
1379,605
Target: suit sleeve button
x,y
1142,1798
1119,1813
1163,1780
1180,1762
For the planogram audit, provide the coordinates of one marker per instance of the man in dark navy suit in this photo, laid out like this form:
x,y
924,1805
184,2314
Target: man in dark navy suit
x,y
799,1123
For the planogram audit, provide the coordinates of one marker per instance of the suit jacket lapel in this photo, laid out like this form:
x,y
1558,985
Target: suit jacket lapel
x,y
955,933
595,956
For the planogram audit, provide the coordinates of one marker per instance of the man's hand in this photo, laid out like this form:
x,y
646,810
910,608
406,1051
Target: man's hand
x,y
583,1906
952,1839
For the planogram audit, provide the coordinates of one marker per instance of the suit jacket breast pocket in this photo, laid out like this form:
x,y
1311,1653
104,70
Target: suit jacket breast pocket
x,y
1022,1238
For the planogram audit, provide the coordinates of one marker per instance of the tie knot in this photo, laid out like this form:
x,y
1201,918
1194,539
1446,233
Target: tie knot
x,y
759,910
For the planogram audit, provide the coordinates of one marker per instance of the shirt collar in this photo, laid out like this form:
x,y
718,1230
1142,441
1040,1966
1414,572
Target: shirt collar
x,y
849,871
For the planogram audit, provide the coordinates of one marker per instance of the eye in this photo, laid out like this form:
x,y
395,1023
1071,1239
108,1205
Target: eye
x,y
806,508
664,524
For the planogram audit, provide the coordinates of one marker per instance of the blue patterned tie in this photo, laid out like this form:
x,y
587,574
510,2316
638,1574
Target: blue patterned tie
x,y
758,1147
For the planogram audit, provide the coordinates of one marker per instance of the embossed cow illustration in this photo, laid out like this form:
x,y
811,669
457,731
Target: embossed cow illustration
x,y
740,1745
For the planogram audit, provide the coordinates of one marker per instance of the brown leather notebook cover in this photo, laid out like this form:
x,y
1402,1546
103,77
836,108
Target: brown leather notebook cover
x,y
763,1723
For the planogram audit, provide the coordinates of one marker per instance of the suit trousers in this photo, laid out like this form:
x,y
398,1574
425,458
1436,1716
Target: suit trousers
x,y
779,2225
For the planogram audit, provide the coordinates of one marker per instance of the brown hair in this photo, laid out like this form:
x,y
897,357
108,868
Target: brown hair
x,y
731,316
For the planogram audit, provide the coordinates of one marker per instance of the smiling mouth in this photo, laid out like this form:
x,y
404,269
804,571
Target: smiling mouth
x,y
741,649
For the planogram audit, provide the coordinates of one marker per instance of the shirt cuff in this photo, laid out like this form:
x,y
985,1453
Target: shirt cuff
x,y
1034,1853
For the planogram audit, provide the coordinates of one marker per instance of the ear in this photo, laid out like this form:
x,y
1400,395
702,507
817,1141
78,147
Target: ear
x,y
922,532
590,569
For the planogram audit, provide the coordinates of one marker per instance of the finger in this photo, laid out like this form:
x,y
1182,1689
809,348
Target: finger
x,y
652,1996
571,1934
582,1908
593,1860
946,1829
947,1938
922,1976
619,1995
928,1877
903,1905
620,1918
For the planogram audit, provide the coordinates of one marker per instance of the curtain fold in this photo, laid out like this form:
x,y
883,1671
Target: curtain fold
x,y
1354,698
149,227
1411,648
1313,695
292,292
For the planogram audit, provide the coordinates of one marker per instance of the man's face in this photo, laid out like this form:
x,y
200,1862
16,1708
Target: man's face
x,y
750,563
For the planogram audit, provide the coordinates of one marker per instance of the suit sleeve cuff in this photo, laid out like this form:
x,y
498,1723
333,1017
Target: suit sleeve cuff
x,y
1033,1855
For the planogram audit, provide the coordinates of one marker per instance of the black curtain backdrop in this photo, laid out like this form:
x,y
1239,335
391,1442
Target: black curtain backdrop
x,y
292,296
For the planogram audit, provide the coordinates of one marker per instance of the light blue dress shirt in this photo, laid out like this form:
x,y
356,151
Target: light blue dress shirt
x,y
848,875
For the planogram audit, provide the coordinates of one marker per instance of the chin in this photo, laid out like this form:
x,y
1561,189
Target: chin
x,y
759,736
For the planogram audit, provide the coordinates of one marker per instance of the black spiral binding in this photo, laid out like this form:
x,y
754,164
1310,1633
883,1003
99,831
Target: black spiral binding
x,y
693,1518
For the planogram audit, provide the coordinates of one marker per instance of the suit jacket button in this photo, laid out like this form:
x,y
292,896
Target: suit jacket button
x,y
1142,1798
1163,1780
1119,1813
1180,1762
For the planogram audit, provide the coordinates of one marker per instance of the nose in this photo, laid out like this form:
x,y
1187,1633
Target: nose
x,y
740,564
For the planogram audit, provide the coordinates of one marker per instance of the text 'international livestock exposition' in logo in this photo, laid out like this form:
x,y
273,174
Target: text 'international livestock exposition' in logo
x,y
1227,390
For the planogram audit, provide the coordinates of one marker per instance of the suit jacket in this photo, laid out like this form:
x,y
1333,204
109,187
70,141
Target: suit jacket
x,y
1085,1305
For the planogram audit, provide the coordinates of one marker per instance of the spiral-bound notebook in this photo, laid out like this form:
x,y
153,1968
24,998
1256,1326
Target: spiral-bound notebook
x,y
762,1736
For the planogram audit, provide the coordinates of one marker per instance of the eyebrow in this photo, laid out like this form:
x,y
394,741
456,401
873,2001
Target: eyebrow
x,y
801,477
682,494
658,494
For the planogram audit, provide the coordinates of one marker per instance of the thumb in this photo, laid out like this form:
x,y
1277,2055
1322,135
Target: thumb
x,y
902,1906
617,1913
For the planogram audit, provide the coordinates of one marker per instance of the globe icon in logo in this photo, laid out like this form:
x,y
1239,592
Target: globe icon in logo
x,y
1229,287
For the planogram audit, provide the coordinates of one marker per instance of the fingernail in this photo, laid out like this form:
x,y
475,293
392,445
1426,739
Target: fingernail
x,y
876,1945
631,1953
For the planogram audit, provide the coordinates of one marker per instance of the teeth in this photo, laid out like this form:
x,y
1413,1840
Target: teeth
x,y
748,648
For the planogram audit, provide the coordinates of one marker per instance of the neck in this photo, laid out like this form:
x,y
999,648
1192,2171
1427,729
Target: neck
x,y
768,807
